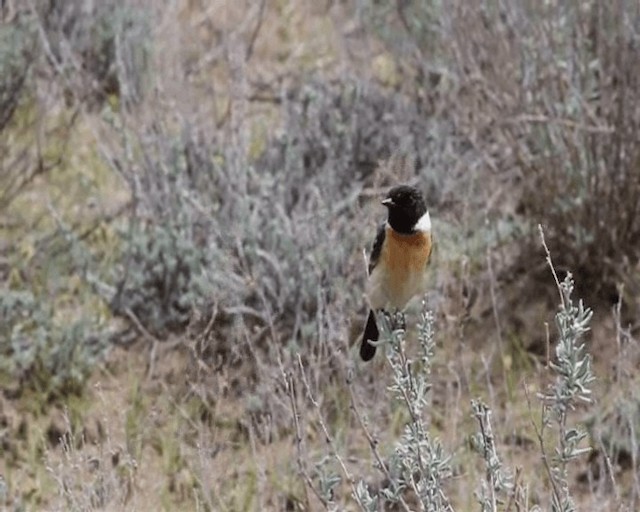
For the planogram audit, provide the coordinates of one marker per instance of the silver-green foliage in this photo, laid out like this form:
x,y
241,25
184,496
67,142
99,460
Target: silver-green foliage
x,y
419,461
39,351
572,386
16,58
497,479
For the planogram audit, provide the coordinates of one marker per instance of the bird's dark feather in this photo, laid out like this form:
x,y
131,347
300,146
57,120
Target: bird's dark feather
x,y
377,248
367,350
371,333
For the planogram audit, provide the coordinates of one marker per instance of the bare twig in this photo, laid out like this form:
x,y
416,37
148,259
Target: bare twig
x,y
256,31
540,436
327,435
373,443
567,123
148,336
496,315
514,492
553,270
488,447
302,468
612,476
548,345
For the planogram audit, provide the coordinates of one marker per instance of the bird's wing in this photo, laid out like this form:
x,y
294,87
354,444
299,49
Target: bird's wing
x,y
377,248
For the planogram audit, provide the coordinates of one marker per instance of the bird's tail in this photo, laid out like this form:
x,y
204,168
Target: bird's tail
x,y
371,333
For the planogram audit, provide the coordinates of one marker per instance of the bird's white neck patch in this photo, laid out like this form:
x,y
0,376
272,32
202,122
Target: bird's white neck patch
x,y
424,223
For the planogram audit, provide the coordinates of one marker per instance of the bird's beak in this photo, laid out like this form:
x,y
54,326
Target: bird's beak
x,y
388,202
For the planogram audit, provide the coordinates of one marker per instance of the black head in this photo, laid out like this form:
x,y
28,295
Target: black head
x,y
406,205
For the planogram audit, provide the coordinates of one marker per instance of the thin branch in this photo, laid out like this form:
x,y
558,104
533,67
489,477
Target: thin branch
x,y
327,435
373,444
148,336
496,316
302,468
567,123
540,435
553,270
256,31
488,449
612,476
514,491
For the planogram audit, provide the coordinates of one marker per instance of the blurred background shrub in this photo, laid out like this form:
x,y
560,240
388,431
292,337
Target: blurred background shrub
x,y
99,49
511,115
56,59
207,174
547,93
39,352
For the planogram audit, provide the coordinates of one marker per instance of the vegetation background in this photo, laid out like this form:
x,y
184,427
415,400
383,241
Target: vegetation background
x,y
186,189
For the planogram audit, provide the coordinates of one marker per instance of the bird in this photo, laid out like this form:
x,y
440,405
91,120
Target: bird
x,y
399,259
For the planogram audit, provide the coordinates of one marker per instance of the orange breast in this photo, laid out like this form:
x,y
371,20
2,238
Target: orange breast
x,y
406,253
401,274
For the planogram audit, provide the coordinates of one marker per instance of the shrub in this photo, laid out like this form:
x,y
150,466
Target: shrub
x,y
544,95
17,54
268,240
581,154
42,353
419,466
98,49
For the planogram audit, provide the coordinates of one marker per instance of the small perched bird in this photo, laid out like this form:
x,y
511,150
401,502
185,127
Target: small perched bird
x,y
399,259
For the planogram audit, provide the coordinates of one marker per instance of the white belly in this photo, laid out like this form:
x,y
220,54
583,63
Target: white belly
x,y
386,291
